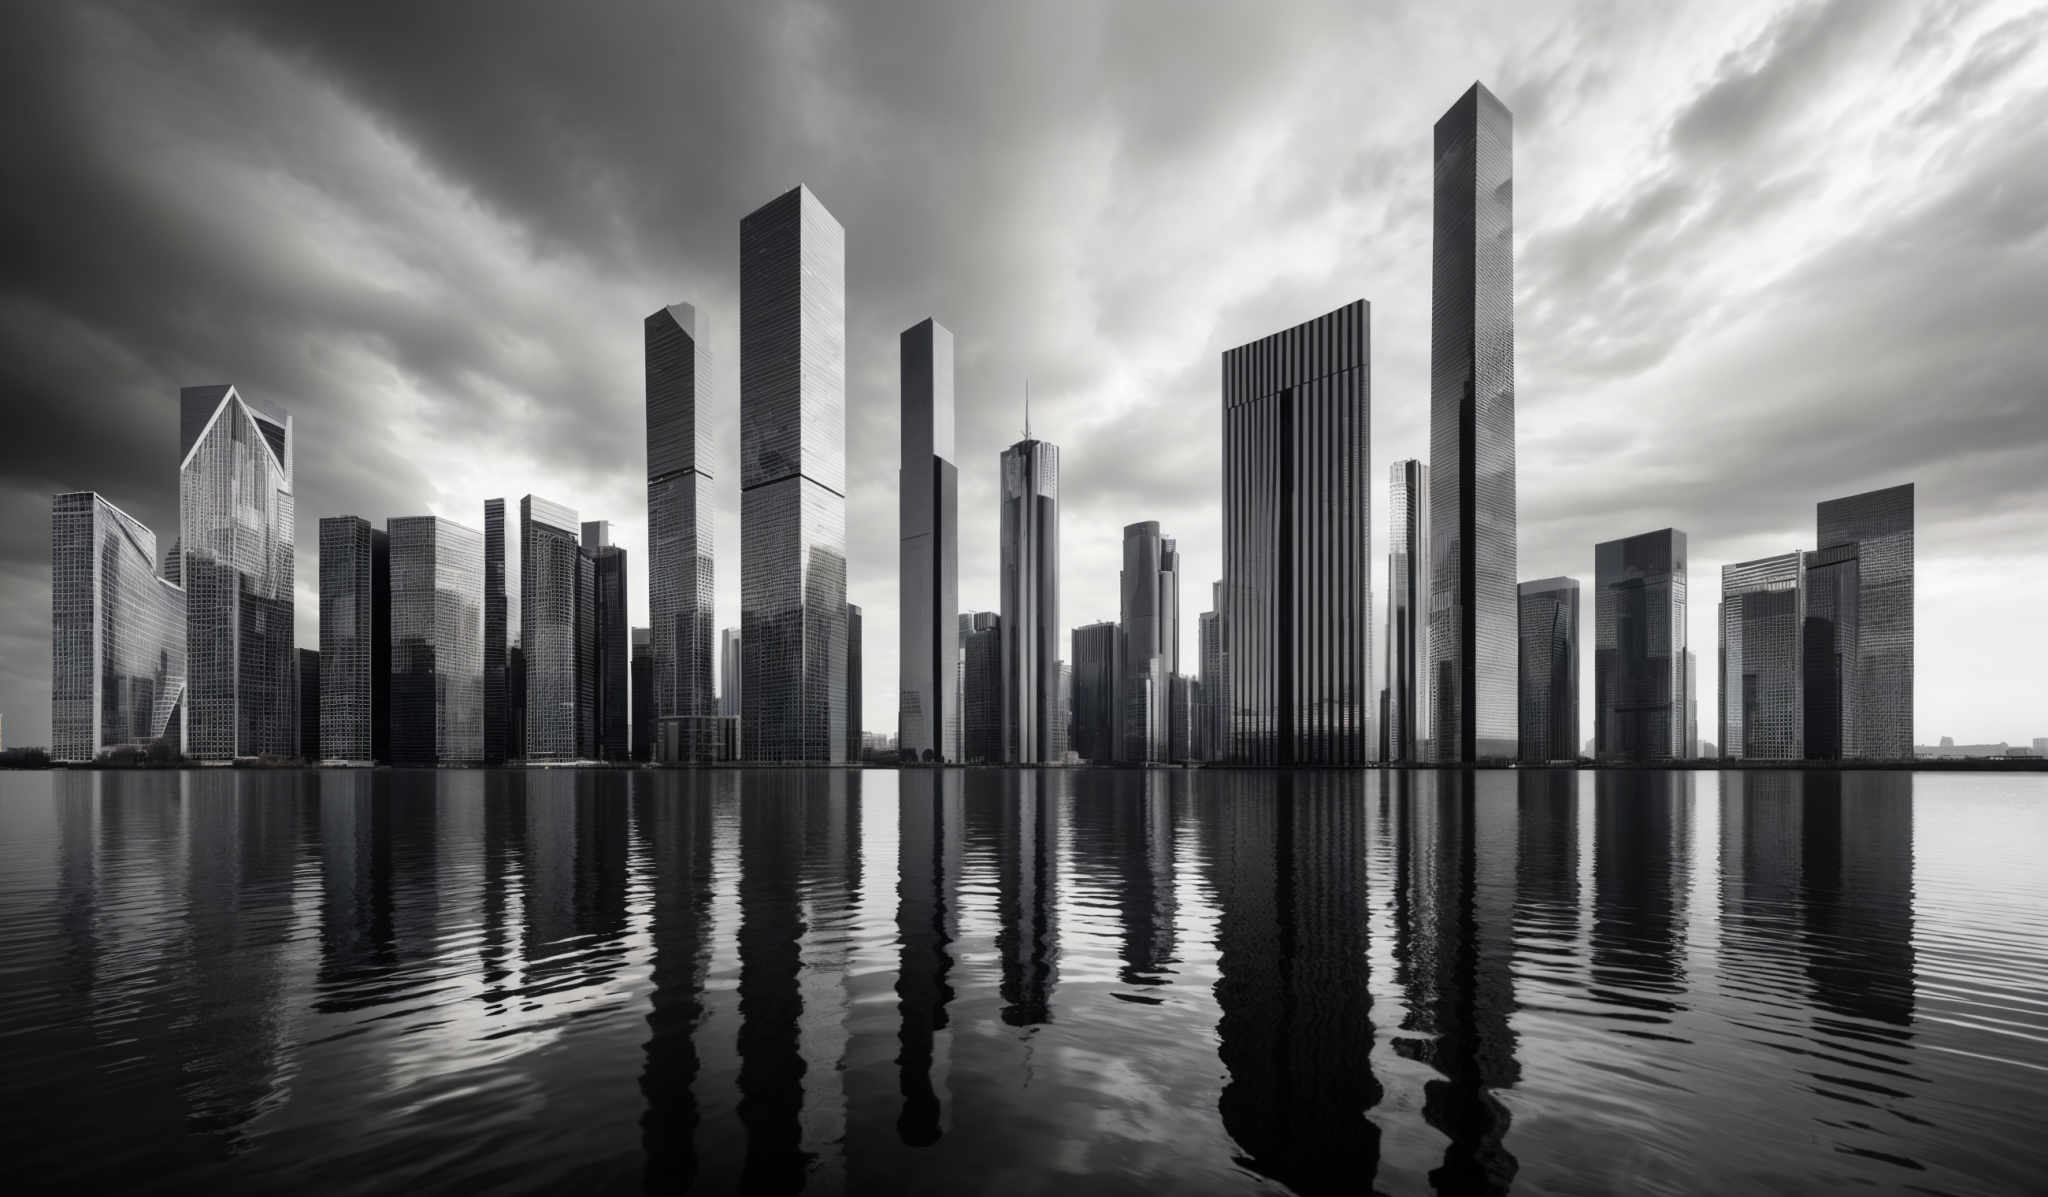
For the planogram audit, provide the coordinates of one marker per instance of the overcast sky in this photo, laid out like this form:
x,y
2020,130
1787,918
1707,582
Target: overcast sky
x,y
1766,254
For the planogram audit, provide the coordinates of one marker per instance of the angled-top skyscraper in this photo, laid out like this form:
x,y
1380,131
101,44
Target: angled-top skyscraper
x,y
117,632
793,481
1297,543
679,516
237,524
1030,599
1472,612
928,506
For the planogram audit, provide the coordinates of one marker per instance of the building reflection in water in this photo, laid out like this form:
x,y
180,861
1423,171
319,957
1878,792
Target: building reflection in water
x,y
1453,925
1642,846
1288,858
674,816
1027,887
929,818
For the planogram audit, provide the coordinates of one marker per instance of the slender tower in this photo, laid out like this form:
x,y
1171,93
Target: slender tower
x,y
497,709
1408,612
1030,597
679,537
1472,611
793,481
928,503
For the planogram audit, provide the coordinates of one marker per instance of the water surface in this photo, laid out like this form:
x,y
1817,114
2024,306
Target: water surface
x,y
1545,982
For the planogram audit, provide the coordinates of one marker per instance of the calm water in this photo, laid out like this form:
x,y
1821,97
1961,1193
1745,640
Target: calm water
x,y
1016,982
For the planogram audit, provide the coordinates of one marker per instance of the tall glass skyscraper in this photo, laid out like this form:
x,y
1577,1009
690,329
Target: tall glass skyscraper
x,y
1549,714
1879,693
613,681
793,481
550,562
981,688
117,643
1472,609
928,556
1763,692
237,526
1639,647
497,699
1149,639
1297,542
437,641
679,517
1828,651
355,641
1097,704
1408,613
1030,600
643,694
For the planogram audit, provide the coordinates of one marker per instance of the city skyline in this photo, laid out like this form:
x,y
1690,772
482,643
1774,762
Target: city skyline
x,y
1738,492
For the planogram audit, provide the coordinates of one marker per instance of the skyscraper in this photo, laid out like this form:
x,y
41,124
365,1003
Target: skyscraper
x,y
236,529
1762,614
613,679
117,632
355,641
1030,598
981,688
550,561
643,694
1472,610
309,704
1407,733
928,505
853,682
1149,635
1212,738
1828,652
497,701
1297,541
793,481
729,672
1879,692
1097,693
1639,647
679,516
1549,716
437,640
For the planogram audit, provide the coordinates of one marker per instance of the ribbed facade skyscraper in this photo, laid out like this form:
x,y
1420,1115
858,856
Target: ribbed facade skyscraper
x,y
613,681
1030,600
355,641
1879,691
1297,542
1408,657
497,699
550,561
928,506
1549,714
1763,691
1149,639
1639,647
981,688
793,481
1097,705
679,518
237,524
1471,680
117,643
437,640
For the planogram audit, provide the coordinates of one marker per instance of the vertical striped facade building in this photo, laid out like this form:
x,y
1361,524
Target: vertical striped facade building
x,y
497,706
1762,616
355,641
437,641
1472,605
679,518
793,481
1029,600
1879,690
1407,707
550,562
1297,542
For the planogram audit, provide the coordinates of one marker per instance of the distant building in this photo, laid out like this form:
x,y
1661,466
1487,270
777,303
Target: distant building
x,y
643,694
1879,690
853,682
1211,739
680,561
355,641
552,629
515,703
117,633
614,653
309,704
1297,543
1762,682
1407,690
1030,598
982,688
437,641
928,555
1639,647
1692,706
1549,623
1180,717
497,634
1097,711
729,672
1149,634
1472,607
793,481
237,528
1063,725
